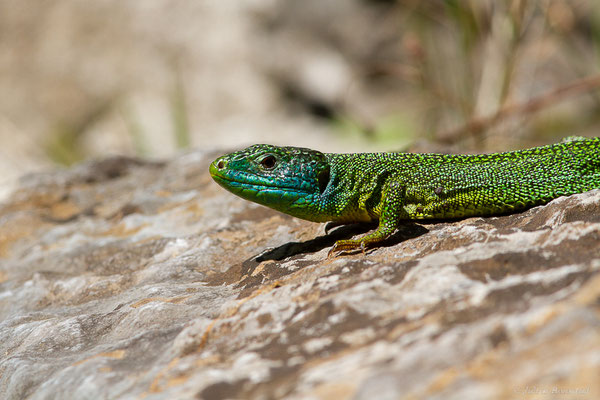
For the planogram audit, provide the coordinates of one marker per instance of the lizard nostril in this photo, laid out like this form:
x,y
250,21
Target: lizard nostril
x,y
221,164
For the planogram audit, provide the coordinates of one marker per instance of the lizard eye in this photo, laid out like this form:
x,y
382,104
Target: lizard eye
x,y
268,162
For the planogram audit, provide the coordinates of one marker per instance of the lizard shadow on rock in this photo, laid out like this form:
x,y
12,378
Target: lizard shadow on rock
x,y
406,231
243,275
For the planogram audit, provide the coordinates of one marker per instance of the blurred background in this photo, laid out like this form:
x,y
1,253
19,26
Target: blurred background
x,y
85,79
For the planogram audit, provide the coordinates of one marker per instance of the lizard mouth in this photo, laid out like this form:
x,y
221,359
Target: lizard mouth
x,y
247,181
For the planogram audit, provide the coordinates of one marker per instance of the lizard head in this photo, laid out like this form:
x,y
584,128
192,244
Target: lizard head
x,y
287,179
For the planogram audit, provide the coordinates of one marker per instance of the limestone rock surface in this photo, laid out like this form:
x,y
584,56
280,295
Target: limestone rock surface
x,y
131,279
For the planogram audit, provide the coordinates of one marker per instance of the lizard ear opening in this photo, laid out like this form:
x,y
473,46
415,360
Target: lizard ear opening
x,y
323,179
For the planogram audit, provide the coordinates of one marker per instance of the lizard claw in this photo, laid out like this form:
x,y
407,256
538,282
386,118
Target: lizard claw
x,y
332,253
335,251
346,247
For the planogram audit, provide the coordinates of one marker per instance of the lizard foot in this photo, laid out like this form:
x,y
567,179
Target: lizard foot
x,y
342,247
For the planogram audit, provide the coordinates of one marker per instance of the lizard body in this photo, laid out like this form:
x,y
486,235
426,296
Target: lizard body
x,y
393,187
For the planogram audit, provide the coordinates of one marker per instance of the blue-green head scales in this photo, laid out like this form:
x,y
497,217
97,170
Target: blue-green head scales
x,y
287,179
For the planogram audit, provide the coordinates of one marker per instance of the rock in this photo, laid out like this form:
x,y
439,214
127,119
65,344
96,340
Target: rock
x,y
132,279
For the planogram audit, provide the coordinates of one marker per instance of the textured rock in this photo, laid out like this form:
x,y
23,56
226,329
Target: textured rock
x,y
132,279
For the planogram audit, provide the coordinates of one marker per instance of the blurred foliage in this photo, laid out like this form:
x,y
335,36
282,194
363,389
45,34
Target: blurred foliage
x,y
179,114
135,131
461,73
63,145
460,60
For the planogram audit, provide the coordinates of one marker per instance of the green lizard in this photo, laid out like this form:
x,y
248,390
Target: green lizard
x,y
393,187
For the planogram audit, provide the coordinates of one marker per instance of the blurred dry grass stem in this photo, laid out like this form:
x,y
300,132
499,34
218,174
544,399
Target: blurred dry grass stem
x,y
477,125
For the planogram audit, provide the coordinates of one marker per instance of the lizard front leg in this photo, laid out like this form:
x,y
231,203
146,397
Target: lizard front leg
x,y
392,212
